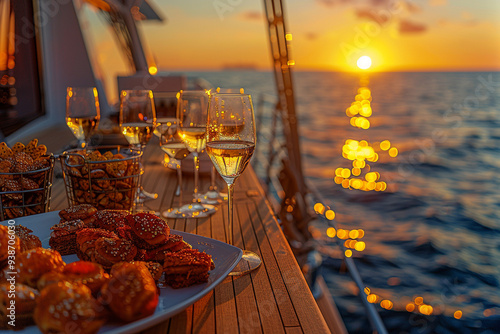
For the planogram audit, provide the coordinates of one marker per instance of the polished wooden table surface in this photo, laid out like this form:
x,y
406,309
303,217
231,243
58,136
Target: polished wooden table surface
x,y
273,299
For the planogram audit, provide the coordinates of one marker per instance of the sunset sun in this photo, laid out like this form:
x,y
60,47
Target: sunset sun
x,y
364,62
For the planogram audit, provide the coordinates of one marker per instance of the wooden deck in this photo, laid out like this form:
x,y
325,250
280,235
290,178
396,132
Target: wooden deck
x,y
273,299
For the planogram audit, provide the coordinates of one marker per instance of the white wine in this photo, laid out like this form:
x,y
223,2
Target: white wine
x,y
194,137
82,127
137,133
175,150
230,158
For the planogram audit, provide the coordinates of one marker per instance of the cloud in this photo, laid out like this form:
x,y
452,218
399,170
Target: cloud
x,y
380,3
332,3
311,36
435,3
409,27
412,8
370,14
252,15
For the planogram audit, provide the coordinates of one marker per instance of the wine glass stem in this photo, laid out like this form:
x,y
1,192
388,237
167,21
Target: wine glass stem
x,y
196,175
179,177
141,169
230,187
212,179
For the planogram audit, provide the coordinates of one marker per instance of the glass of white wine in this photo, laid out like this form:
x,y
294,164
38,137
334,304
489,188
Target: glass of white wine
x,y
82,112
137,122
192,108
166,123
176,149
231,140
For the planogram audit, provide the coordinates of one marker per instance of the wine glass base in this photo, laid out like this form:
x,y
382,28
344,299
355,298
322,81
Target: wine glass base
x,y
197,210
249,262
143,196
212,197
173,213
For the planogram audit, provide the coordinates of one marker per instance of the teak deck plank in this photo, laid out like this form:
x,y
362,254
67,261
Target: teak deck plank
x,y
226,317
268,310
293,330
273,299
308,313
279,289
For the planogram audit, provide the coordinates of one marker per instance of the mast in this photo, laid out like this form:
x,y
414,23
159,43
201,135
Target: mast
x,y
283,76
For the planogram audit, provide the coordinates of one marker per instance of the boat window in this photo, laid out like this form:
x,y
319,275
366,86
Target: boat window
x,y
20,98
109,59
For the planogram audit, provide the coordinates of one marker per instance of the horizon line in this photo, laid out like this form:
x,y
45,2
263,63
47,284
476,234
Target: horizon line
x,y
222,69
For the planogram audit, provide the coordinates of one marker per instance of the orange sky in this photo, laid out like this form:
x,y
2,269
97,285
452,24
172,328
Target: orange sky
x,y
399,35
330,34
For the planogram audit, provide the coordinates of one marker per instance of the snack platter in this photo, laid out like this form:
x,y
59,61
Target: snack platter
x,y
171,301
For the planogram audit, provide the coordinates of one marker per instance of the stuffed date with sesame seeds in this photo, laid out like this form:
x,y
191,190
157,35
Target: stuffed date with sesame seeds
x,y
148,230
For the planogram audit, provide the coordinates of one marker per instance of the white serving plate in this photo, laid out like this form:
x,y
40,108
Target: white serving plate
x,y
171,301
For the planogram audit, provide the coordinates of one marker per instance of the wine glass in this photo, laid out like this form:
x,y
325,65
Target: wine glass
x,y
230,144
166,113
213,195
137,121
192,108
176,149
82,112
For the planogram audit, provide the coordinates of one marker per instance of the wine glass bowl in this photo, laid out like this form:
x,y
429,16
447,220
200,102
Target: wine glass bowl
x,y
231,139
137,116
82,112
166,109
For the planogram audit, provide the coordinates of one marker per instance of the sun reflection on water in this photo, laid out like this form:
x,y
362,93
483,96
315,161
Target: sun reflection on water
x,y
361,152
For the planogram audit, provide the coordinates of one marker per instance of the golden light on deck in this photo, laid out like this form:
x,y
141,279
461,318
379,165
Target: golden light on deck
x,y
348,253
330,232
457,314
367,290
410,307
364,62
419,300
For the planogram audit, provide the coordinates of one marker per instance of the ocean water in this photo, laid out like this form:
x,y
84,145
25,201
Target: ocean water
x,y
433,236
